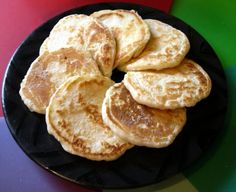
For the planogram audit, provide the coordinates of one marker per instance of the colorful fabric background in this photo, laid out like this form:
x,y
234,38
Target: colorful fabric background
x,y
212,19
215,20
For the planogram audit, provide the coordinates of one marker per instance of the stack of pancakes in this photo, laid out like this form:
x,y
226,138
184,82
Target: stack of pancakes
x,y
96,118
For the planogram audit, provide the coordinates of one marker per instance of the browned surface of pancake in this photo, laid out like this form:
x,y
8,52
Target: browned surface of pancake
x,y
181,86
166,48
74,118
129,29
139,124
49,71
83,32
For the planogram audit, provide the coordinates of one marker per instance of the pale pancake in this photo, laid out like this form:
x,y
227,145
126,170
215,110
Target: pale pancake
x,y
43,47
139,124
49,71
182,86
84,33
74,118
130,31
167,48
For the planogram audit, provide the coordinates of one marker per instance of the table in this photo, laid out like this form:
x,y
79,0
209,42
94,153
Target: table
x,y
214,20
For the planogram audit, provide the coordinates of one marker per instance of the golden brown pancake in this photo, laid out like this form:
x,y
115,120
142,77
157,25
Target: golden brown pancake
x,y
181,86
83,33
74,118
130,31
139,124
49,71
166,48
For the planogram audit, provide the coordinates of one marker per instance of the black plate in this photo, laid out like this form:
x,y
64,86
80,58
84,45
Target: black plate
x,y
139,166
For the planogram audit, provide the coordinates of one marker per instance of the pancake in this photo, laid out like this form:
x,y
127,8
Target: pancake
x,y
167,47
182,86
130,31
43,47
83,33
139,124
74,118
49,71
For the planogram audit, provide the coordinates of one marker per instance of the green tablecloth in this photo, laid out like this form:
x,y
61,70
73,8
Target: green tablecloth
x,y
215,20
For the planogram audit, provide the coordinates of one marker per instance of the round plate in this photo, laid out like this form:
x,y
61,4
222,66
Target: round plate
x,y
138,166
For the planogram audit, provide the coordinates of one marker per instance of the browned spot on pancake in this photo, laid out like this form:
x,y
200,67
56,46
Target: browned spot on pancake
x,y
93,82
95,30
39,87
202,78
60,112
190,67
139,119
94,114
79,144
129,28
65,134
110,14
106,49
80,98
62,124
139,20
